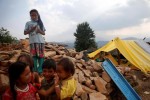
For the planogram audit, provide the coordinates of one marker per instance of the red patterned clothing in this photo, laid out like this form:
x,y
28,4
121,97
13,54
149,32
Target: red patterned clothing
x,y
28,95
37,49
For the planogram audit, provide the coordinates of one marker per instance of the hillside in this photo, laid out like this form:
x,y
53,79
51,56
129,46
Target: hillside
x,y
71,44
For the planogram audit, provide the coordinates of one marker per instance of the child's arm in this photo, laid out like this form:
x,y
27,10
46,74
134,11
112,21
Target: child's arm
x,y
36,77
57,88
46,92
40,31
31,30
37,96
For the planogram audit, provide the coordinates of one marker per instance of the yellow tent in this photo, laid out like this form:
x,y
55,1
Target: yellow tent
x,y
130,50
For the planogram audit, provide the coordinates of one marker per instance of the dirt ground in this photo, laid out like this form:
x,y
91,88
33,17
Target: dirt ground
x,y
143,87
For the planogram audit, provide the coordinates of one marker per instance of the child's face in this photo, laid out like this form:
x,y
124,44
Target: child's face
x,y
25,77
48,73
34,16
62,74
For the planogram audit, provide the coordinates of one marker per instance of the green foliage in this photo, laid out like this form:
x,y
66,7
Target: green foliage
x,y
5,36
85,37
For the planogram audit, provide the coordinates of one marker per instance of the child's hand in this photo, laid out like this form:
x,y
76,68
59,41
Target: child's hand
x,y
33,28
37,85
37,96
56,78
38,30
30,30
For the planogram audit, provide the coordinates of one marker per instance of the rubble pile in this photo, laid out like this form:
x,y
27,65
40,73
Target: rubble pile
x,y
93,83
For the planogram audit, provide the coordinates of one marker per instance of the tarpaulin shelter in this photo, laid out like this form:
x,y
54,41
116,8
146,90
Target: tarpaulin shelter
x,y
131,50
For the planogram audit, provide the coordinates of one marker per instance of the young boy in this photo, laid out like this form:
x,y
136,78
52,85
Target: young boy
x,y
49,68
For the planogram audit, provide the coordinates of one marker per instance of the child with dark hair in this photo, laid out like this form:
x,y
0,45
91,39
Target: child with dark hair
x,y
19,77
49,68
35,29
20,86
65,84
26,58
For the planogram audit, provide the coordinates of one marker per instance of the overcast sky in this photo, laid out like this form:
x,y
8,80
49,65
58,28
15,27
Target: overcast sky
x,y
108,18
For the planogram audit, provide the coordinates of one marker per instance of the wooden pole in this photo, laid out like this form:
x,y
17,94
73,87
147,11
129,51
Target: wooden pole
x,y
119,60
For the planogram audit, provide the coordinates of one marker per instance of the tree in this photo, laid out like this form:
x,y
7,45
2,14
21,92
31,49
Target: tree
x,y
85,37
5,36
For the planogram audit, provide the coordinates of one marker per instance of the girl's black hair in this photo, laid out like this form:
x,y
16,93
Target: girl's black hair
x,y
14,71
48,64
39,19
29,60
67,64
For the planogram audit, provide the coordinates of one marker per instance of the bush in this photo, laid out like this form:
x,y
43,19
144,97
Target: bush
x,y
5,36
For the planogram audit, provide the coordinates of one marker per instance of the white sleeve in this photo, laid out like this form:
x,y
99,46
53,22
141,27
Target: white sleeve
x,y
26,27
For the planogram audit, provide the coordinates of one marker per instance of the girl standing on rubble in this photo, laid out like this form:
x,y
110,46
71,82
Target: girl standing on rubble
x,y
36,29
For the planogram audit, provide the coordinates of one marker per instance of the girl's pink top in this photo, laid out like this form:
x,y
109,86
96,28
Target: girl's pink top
x,y
29,95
